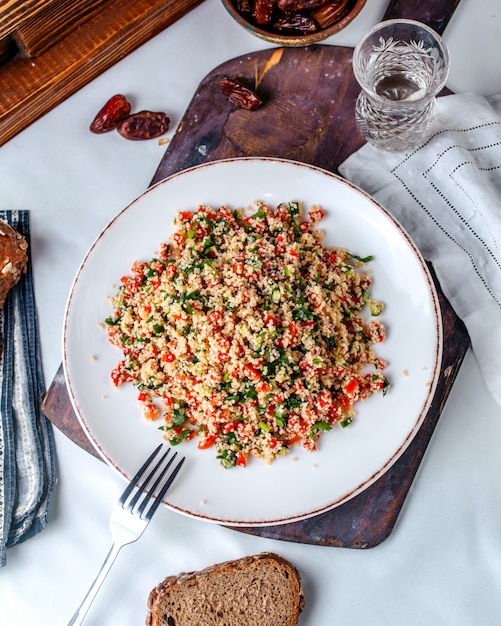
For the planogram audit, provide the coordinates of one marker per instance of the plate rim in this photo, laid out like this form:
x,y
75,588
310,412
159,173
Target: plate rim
x,y
418,423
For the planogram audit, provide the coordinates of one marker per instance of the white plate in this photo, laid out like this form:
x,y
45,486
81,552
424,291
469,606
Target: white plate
x,y
302,483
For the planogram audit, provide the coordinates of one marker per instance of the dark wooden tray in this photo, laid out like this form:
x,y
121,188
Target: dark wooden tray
x,y
307,115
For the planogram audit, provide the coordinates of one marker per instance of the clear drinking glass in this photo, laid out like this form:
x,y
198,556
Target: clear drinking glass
x,y
401,65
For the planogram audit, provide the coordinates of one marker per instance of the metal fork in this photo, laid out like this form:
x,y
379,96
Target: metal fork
x,y
130,516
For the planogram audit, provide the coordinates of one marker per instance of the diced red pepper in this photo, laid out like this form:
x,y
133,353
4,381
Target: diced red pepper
x,y
208,443
263,386
252,372
215,316
241,460
317,215
270,319
351,387
151,411
273,443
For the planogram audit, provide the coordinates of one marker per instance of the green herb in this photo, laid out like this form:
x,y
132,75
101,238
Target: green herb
x,y
280,420
175,441
231,438
293,401
375,308
303,314
330,341
260,212
346,422
365,259
227,458
319,426
178,416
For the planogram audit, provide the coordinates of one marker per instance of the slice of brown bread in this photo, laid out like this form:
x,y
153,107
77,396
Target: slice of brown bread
x,y
13,258
259,590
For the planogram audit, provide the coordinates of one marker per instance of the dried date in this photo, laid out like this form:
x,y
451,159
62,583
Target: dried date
x,y
144,125
262,11
239,94
284,16
295,23
244,7
112,113
331,12
293,6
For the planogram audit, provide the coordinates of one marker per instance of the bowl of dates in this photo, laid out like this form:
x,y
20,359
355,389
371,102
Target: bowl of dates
x,y
293,22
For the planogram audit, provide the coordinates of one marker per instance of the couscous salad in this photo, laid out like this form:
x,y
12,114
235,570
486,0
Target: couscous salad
x,y
248,333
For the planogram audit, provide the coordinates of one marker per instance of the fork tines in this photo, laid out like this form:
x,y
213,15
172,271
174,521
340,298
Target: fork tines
x,y
158,475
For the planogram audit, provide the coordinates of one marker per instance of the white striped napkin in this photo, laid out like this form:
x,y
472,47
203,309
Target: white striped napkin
x,y
27,456
447,195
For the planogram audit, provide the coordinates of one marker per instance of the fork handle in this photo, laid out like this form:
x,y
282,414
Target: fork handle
x,y
81,612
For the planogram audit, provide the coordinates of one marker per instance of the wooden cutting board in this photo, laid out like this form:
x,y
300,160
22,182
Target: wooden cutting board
x,y
50,49
307,115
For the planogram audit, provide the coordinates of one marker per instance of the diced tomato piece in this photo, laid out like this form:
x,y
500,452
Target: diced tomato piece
x,y
151,411
324,399
215,316
317,215
168,401
263,386
270,319
115,377
170,270
342,401
208,443
252,372
351,387
241,460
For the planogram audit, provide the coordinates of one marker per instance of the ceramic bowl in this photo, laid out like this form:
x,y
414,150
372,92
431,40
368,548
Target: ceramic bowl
x,y
342,14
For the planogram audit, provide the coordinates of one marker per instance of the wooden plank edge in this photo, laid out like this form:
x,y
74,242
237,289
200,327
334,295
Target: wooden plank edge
x,y
35,81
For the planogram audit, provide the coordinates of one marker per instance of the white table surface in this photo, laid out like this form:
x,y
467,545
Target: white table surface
x,y
442,563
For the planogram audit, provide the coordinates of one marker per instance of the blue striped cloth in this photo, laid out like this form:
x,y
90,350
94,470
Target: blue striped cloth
x,y
27,455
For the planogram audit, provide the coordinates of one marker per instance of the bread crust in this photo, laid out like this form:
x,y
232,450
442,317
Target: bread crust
x,y
13,258
184,579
